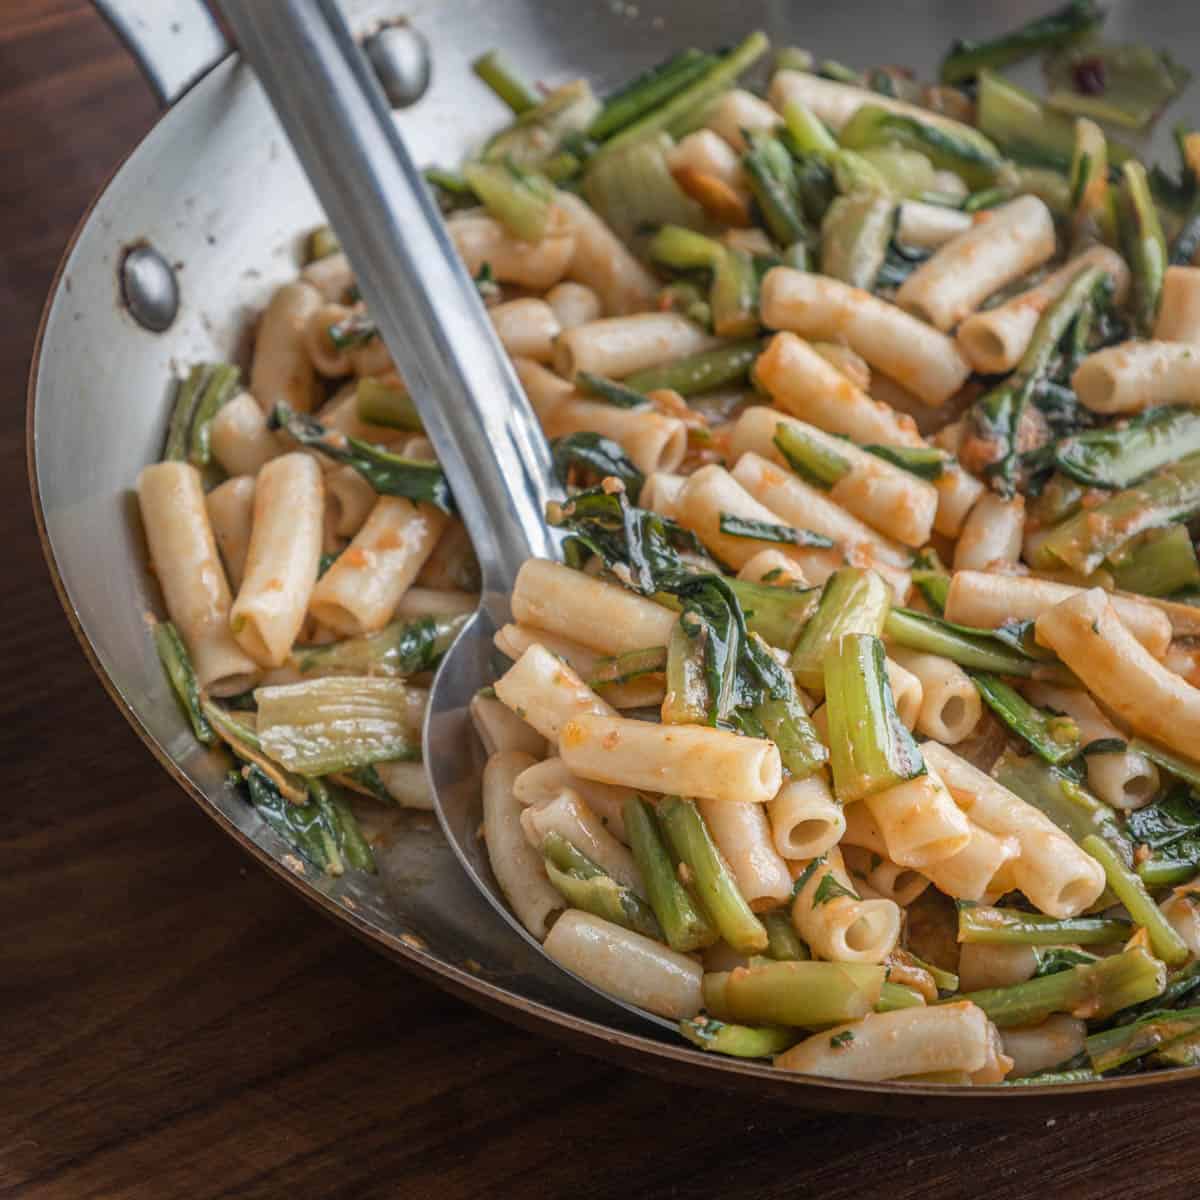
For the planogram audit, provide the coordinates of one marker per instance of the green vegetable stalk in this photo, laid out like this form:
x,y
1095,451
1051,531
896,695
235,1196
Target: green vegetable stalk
x,y
703,372
949,145
1054,738
504,79
855,235
931,579
975,649
685,926
1086,539
335,723
386,402
519,199
1159,562
783,942
814,461
608,390
587,886
687,700
1012,927
809,135
713,880
798,994
1114,1048
853,600
771,174
1131,892
649,91
220,387
1143,242
1093,215
733,297
895,996
870,749
787,724
738,1041
1093,991
1118,456
178,666
676,114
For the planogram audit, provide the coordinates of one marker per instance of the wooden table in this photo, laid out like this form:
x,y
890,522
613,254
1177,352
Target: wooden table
x,y
173,1023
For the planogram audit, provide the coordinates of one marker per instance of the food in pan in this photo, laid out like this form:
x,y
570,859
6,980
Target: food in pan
x,y
858,726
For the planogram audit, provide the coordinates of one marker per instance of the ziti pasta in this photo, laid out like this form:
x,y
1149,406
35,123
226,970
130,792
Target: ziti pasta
x,y
857,727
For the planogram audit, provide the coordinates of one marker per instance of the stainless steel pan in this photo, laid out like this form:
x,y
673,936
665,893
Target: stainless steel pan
x,y
194,231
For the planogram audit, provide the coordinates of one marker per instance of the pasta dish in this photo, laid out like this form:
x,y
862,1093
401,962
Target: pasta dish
x,y
858,726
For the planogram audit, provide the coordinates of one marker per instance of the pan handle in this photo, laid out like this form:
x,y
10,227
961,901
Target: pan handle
x,y
174,41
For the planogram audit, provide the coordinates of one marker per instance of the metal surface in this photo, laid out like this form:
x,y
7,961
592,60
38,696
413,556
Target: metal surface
x,y
400,56
149,288
174,41
215,187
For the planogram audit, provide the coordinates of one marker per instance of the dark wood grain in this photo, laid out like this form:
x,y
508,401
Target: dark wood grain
x,y
173,1023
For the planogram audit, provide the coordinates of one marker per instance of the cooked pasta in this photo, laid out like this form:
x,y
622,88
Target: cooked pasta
x,y
1004,244
995,339
281,560
858,722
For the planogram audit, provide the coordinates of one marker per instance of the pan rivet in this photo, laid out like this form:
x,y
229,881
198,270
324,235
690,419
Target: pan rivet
x,y
400,56
149,288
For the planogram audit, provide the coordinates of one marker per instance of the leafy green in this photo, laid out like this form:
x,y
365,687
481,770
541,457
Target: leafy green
x,y
389,474
597,455
814,461
608,390
926,462
1171,822
643,549
995,424
1052,959
1066,24
177,664
771,174
1117,83
1054,738
801,880
648,90
978,649
765,531
931,579
829,889
738,668
1122,454
323,829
